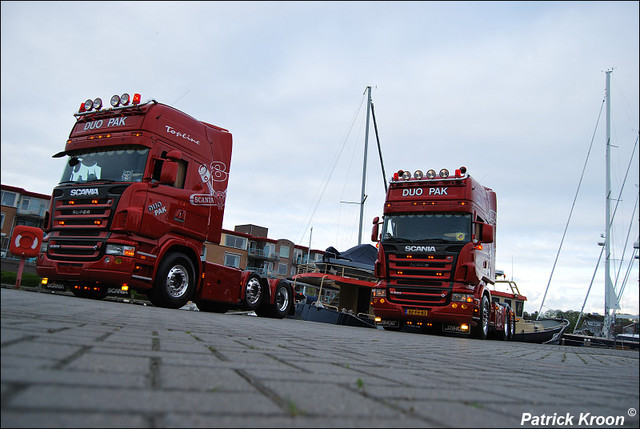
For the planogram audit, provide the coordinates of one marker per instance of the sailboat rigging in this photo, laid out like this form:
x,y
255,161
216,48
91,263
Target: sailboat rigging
x,y
611,298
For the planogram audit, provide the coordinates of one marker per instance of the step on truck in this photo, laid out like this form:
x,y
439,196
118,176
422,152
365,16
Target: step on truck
x,y
141,196
436,256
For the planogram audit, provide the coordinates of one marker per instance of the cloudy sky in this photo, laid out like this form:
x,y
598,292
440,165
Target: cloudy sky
x,y
511,90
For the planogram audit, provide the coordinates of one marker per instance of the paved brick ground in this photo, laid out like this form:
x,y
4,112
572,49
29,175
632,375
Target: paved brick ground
x,y
71,362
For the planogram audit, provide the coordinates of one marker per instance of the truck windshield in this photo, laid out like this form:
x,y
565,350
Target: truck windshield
x,y
441,227
115,165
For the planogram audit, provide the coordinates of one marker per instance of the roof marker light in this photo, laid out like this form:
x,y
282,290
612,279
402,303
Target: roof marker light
x,y
136,99
431,173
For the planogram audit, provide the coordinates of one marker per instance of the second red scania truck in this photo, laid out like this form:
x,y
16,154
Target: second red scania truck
x,y
436,256
141,196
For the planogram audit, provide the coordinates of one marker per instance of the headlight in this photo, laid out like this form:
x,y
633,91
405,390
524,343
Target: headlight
x,y
120,250
461,297
376,292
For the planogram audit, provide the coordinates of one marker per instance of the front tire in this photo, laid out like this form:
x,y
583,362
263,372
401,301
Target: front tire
x,y
175,282
482,330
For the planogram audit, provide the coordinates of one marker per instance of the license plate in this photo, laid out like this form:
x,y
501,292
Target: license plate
x,y
454,328
117,291
388,323
415,312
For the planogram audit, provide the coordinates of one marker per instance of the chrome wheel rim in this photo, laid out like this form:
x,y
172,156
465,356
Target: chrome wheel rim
x,y
253,291
177,281
282,299
485,317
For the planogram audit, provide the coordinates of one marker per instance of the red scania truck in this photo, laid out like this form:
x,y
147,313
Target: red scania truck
x,y
141,195
436,256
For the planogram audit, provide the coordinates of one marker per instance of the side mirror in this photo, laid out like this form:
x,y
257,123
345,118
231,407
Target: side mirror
x,y
375,232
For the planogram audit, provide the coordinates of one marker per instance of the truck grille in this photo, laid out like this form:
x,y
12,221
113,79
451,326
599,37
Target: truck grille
x,y
421,279
80,225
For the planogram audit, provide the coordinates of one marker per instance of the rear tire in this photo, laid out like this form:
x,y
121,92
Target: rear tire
x,y
504,335
254,292
282,302
512,330
175,282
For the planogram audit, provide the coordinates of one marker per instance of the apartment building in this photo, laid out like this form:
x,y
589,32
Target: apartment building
x,y
249,247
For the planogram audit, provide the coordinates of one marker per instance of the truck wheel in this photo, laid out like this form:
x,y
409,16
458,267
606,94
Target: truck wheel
x,y
482,330
283,299
254,292
512,325
175,282
504,335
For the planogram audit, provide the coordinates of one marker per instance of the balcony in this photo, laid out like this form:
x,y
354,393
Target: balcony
x,y
262,254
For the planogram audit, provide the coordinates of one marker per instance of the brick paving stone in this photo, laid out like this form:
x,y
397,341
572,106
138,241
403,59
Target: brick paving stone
x,y
71,362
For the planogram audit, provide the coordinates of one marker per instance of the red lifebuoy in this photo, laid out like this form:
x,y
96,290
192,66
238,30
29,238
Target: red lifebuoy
x,y
26,241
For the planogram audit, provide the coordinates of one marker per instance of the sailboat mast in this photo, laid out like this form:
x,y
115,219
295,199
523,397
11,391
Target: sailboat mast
x,y
608,287
364,165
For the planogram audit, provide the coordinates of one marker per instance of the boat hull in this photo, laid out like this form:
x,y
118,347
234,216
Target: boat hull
x,y
313,313
544,331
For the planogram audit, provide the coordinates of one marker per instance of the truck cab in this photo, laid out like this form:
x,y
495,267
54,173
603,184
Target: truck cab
x,y
436,253
143,189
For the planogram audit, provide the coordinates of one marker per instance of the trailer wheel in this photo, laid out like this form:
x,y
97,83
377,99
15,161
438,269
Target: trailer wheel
x,y
175,282
254,292
482,330
282,302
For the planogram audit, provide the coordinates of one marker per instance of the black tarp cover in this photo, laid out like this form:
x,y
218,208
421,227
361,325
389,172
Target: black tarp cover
x,y
362,254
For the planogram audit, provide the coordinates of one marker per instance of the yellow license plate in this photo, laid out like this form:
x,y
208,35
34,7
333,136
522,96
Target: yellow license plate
x,y
416,312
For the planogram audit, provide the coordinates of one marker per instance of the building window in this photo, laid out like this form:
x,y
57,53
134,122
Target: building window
x,y
282,269
9,198
236,242
231,260
269,249
284,252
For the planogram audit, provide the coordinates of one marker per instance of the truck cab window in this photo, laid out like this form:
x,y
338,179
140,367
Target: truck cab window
x,y
182,170
124,164
435,227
